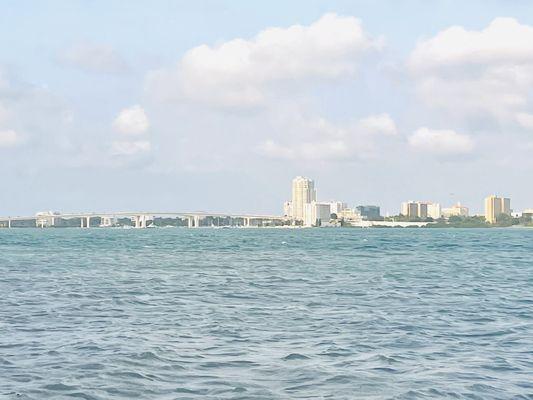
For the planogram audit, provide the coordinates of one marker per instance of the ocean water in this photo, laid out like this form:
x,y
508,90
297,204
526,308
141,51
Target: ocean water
x,y
266,314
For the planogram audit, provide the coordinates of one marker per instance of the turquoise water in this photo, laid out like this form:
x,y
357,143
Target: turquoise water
x,y
266,314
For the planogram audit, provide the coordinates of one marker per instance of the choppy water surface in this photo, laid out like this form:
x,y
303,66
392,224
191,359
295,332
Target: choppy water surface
x,y
266,314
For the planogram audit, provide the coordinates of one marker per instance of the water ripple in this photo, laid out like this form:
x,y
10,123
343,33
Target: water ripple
x,y
266,314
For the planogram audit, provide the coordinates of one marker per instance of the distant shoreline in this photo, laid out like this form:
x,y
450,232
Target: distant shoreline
x,y
374,227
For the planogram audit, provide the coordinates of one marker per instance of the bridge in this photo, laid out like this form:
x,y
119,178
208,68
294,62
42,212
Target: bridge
x,y
139,219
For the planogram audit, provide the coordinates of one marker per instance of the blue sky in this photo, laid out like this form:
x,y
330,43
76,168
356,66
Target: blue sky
x,y
108,105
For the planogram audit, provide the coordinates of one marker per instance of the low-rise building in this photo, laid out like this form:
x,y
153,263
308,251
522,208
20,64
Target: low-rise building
x,y
457,210
317,214
45,218
350,216
337,206
527,213
370,213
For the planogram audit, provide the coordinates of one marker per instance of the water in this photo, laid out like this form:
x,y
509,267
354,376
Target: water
x,y
266,314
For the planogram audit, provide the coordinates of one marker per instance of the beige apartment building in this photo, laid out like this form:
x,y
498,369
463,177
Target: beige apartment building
x,y
303,192
495,206
414,209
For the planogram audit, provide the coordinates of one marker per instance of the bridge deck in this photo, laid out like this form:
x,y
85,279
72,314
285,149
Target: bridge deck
x,y
146,213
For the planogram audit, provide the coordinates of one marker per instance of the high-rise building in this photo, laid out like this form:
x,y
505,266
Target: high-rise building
x,y
495,206
409,209
506,206
422,210
370,213
303,192
414,209
434,210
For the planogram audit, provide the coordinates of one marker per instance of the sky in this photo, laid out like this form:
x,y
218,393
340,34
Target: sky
x,y
217,105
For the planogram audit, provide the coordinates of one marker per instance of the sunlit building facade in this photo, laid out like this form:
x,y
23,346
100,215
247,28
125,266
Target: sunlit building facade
x,y
317,214
303,192
434,210
414,209
495,206
457,210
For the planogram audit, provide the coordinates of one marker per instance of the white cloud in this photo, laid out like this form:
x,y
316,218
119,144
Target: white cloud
x,y
319,139
36,112
131,121
272,149
4,82
314,150
440,142
378,124
505,40
525,120
487,73
95,58
9,138
240,72
128,148
4,114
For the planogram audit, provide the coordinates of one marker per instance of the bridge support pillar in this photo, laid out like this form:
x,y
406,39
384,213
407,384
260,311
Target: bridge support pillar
x,y
193,221
106,222
88,222
247,222
140,221
9,223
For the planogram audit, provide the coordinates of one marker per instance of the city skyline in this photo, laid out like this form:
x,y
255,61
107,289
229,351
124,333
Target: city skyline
x,y
304,195
306,209
156,108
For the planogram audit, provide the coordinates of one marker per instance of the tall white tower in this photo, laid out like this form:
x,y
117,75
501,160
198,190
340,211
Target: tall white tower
x,y
303,192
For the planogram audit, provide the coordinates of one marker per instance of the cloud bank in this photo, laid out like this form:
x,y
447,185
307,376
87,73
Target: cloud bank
x,y
443,142
240,73
321,140
486,73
